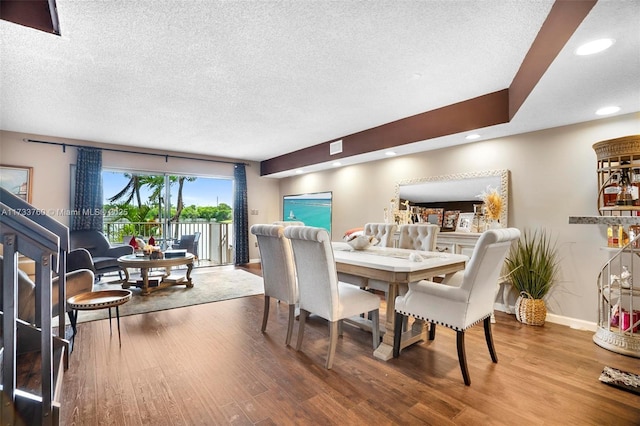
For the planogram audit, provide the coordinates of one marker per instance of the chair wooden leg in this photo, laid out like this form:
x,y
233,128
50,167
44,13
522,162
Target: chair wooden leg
x,y
489,337
333,342
432,331
302,320
292,317
265,315
462,358
73,319
397,334
375,327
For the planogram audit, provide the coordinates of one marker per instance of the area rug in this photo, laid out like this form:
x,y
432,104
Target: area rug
x,y
621,379
209,285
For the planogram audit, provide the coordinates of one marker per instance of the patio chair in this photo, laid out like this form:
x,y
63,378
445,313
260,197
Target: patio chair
x,y
190,243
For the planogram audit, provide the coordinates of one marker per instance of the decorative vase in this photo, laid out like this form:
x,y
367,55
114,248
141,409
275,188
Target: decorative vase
x,y
530,311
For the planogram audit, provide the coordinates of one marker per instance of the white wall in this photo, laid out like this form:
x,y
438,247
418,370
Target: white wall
x,y
552,177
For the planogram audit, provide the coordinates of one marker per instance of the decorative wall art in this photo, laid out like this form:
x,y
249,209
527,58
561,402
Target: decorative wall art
x,y
17,180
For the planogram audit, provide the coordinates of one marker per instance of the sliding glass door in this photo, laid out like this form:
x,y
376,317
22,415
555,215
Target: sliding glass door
x,y
171,209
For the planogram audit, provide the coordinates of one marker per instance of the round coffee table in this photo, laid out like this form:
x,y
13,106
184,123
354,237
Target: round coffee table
x,y
98,300
152,283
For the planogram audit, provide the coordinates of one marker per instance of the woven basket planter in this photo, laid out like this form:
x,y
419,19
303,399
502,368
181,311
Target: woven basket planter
x,y
530,311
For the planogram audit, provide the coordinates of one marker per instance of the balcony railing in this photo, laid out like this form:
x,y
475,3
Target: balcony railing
x,y
215,245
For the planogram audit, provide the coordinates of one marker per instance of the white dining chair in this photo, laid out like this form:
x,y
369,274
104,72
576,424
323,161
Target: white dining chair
x,y
321,293
383,233
460,306
278,271
414,237
418,236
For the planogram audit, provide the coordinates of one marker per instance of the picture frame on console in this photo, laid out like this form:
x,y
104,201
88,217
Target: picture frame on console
x,y
465,222
450,221
17,180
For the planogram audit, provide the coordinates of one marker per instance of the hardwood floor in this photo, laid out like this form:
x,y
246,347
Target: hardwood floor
x,y
210,364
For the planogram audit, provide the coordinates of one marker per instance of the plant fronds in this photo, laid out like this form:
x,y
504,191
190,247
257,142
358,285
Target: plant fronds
x,y
533,264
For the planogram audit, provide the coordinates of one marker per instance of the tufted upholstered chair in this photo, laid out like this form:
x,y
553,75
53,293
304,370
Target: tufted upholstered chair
x,y
383,232
413,237
418,237
278,271
320,291
460,307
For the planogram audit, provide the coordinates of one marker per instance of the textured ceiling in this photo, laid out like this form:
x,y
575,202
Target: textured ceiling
x,y
257,79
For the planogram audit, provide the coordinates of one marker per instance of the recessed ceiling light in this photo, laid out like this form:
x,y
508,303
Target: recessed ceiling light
x,y
608,110
336,164
472,136
390,153
299,171
594,46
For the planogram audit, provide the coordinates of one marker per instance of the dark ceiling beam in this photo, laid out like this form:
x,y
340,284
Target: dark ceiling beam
x,y
483,111
495,108
563,20
39,14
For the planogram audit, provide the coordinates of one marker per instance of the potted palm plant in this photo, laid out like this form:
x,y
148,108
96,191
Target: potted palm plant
x,y
532,265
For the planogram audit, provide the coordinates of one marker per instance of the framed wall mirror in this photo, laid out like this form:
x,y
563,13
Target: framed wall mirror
x,y
455,192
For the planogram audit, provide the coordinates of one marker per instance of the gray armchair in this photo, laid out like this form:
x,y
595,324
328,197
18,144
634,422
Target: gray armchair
x,y
190,242
79,281
79,259
103,255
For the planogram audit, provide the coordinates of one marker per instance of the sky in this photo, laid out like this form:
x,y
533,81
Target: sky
x,y
203,191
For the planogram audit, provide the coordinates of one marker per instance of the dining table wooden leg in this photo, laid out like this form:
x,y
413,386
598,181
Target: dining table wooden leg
x,y
417,333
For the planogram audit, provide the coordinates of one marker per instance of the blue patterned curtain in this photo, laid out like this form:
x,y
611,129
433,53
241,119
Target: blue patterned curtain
x,y
88,197
240,216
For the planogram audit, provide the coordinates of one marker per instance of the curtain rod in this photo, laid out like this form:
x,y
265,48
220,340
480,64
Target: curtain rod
x,y
166,156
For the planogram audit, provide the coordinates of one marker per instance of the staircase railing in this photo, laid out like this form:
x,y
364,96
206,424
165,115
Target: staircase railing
x,y
23,231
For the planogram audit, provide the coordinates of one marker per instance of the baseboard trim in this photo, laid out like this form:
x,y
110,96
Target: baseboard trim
x,y
574,323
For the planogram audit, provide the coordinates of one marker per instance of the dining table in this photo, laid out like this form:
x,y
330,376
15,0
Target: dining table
x,y
397,268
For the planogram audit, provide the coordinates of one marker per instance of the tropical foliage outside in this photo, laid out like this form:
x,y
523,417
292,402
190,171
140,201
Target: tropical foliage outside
x,y
143,214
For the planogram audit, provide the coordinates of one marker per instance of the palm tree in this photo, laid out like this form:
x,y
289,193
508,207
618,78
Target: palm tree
x,y
179,201
131,190
155,183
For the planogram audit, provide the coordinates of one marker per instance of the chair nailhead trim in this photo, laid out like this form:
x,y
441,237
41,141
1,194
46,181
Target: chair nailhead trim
x,y
406,314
